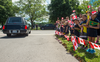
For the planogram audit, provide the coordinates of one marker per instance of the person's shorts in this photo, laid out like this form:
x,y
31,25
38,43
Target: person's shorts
x,y
71,31
61,29
66,32
98,32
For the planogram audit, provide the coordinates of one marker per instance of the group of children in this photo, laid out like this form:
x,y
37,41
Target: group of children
x,y
86,26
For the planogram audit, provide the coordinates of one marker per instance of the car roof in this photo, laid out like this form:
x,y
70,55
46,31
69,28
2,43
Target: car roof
x,y
15,17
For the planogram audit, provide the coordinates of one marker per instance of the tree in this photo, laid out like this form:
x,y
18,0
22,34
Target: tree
x,y
7,9
83,6
33,8
59,8
96,4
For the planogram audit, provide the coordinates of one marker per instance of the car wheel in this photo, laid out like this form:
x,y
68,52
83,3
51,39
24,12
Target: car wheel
x,y
26,34
8,35
30,32
42,28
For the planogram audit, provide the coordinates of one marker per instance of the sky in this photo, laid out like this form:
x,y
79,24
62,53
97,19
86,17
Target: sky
x,y
47,1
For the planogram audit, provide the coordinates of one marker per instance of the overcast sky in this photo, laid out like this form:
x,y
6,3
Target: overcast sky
x,y
47,1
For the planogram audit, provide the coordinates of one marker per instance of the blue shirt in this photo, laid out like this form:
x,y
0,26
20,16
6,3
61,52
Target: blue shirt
x,y
83,22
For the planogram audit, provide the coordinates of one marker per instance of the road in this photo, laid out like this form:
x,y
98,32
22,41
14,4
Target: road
x,y
39,46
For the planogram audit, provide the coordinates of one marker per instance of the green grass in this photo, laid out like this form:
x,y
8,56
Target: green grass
x,y
81,54
38,28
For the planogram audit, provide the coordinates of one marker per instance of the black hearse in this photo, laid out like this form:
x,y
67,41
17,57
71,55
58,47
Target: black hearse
x,y
16,25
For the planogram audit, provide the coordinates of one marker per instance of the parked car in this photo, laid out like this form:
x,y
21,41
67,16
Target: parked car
x,y
16,25
47,26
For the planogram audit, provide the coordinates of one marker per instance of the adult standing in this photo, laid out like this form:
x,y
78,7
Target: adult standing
x,y
98,31
36,27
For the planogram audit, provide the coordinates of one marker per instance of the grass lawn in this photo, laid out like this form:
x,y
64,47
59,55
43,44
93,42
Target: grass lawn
x,y
81,54
38,28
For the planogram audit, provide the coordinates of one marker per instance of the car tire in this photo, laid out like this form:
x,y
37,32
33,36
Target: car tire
x,y
30,32
26,34
8,35
42,28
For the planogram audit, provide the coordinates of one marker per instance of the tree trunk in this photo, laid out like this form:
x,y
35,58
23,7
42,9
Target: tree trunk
x,y
31,24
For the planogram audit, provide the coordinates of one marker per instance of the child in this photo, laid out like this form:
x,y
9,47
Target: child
x,y
80,20
61,27
84,30
92,31
67,18
66,28
77,29
71,24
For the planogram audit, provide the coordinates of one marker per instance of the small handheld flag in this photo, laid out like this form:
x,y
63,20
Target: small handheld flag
x,y
89,6
74,17
74,11
62,18
92,23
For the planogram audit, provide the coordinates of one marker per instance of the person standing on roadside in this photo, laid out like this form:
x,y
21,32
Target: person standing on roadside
x,y
98,30
36,27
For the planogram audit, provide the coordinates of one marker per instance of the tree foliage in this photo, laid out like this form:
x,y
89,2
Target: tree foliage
x,y
62,8
7,9
83,6
96,4
33,8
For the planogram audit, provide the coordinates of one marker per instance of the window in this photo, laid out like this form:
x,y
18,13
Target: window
x,y
15,20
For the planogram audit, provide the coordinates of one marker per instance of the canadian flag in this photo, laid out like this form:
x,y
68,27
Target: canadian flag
x,y
62,18
74,11
56,21
81,41
89,6
93,45
59,33
67,37
93,12
55,32
72,38
74,17
75,45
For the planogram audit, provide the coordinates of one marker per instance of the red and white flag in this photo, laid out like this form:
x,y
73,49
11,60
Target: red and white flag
x,y
59,33
89,6
72,38
67,37
56,21
93,12
55,32
81,41
93,45
75,45
74,17
62,18
74,11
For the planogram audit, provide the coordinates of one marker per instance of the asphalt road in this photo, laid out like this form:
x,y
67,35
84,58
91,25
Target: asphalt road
x,y
39,46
